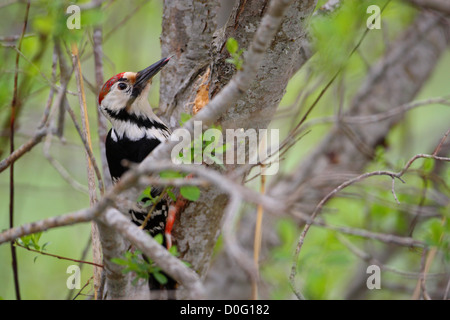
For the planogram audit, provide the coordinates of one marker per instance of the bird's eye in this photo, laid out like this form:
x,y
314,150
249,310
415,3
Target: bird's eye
x,y
122,86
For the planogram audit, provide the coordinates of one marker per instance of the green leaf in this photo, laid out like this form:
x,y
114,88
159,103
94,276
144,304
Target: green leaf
x,y
187,264
159,238
184,117
169,174
36,236
146,194
30,241
45,245
191,193
172,195
232,45
161,278
120,262
173,250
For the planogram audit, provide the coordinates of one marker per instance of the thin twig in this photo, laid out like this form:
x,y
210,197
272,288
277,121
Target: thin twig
x,y
85,285
441,143
102,126
52,91
65,75
258,237
382,237
428,257
86,249
84,123
60,257
49,82
96,250
11,140
365,119
27,146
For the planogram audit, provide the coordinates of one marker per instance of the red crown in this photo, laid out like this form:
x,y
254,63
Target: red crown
x,y
107,86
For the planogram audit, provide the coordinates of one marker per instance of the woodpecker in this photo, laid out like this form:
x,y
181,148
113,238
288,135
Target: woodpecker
x,y
135,132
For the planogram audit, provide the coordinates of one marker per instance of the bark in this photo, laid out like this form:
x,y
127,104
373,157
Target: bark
x,y
113,244
287,53
187,33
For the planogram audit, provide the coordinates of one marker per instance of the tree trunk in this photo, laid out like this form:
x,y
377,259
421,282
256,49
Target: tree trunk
x,y
188,28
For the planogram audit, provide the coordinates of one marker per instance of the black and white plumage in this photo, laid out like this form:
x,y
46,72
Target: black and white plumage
x,y
135,132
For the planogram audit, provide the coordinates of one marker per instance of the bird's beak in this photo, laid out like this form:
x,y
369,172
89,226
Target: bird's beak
x,y
144,76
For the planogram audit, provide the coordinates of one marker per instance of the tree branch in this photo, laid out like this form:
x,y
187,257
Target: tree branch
x,y
27,146
151,248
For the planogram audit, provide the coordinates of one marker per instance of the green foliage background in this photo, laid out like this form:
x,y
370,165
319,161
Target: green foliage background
x,y
326,265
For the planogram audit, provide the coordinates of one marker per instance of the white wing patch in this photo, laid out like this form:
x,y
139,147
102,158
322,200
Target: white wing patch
x,y
113,135
135,132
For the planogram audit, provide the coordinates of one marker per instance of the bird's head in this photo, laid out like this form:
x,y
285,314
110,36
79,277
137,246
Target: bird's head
x,y
123,100
128,91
